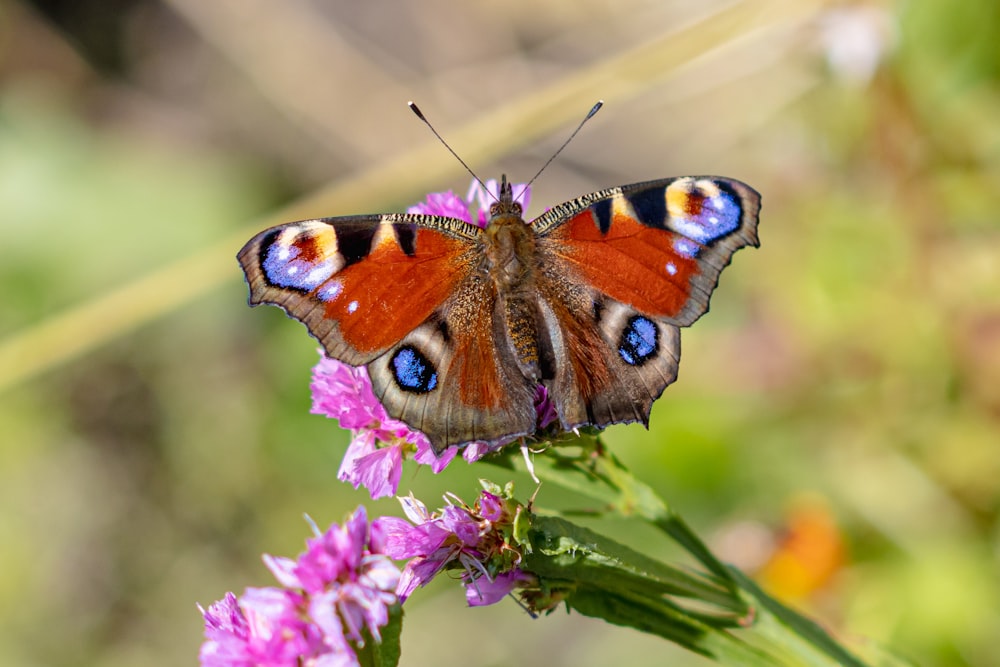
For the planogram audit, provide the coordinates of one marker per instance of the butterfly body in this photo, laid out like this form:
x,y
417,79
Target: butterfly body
x,y
459,326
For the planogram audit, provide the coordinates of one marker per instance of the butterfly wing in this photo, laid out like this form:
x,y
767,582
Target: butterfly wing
x,y
400,294
624,268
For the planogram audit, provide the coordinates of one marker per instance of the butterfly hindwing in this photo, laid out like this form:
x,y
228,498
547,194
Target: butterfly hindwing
x,y
611,361
452,380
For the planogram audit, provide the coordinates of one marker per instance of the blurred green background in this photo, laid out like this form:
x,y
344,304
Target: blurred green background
x,y
836,425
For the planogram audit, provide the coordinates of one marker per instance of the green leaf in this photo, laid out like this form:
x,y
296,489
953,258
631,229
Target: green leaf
x,y
563,550
522,529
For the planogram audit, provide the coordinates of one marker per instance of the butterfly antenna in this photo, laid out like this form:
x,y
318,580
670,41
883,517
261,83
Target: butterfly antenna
x,y
416,110
590,114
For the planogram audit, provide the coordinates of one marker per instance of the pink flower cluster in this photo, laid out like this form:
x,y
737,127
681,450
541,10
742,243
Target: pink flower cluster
x,y
341,586
477,540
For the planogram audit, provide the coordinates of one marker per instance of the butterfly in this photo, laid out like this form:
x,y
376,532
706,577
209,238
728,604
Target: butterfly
x,y
458,325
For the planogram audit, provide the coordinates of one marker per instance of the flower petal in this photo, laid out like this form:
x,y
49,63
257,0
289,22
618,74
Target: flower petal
x,y
443,203
283,570
481,591
380,471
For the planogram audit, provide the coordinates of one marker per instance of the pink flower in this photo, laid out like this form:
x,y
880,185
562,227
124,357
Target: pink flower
x,y
374,459
473,539
544,408
443,203
261,628
342,585
484,591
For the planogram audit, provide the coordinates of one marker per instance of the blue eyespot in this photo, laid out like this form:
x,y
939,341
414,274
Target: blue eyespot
x,y
639,342
413,371
285,266
719,216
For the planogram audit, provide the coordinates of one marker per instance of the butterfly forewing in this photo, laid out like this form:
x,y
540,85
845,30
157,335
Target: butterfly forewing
x,y
361,283
657,246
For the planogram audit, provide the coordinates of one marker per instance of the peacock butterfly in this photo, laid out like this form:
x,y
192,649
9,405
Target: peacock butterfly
x,y
459,325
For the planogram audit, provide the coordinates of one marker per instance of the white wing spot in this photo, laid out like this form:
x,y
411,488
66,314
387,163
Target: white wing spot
x,y
686,247
671,268
352,306
320,273
331,290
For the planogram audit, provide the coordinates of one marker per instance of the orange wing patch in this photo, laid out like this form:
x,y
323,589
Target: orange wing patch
x,y
388,293
478,375
648,268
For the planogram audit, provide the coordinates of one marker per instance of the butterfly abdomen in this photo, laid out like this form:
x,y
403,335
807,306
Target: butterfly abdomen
x,y
521,320
510,262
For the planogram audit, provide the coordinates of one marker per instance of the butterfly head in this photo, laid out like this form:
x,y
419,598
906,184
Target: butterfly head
x,y
505,205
